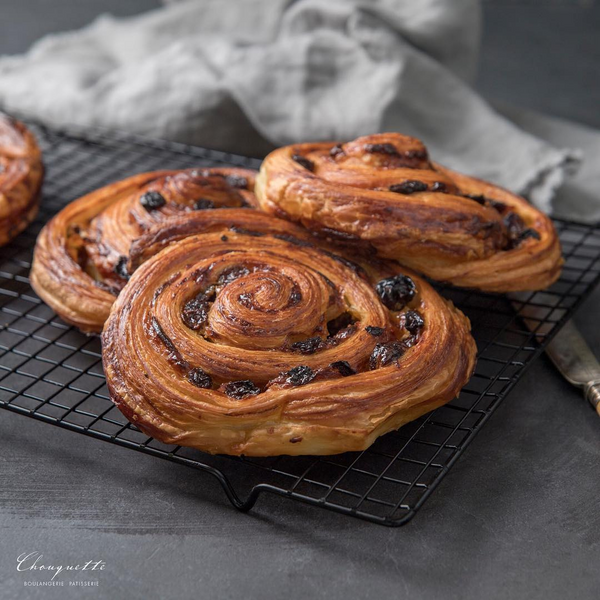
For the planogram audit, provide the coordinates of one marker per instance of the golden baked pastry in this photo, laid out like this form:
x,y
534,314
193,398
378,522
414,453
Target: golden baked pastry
x,y
21,174
383,189
80,259
236,334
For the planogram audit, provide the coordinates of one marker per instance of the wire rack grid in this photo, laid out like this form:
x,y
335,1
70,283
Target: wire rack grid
x,y
51,372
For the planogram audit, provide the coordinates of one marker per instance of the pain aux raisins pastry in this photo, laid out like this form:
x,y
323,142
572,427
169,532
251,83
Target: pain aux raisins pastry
x,y
81,255
383,189
236,334
21,174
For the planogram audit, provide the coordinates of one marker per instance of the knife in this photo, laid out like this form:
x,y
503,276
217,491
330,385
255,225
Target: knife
x,y
568,350
573,358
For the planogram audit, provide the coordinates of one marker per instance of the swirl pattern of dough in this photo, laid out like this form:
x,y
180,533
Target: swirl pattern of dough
x,y
383,189
21,174
236,334
81,255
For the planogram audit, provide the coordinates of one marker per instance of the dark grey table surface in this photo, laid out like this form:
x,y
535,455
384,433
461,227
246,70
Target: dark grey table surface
x,y
518,516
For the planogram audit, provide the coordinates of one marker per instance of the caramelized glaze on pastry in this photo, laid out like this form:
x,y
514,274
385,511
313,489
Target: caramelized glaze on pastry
x,y
384,191
81,255
21,174
236,334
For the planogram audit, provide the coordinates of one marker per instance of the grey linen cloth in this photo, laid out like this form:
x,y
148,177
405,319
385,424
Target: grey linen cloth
x,y
248,75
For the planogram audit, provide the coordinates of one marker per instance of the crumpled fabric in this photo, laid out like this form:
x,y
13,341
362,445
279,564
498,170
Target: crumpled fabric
x,y
246,76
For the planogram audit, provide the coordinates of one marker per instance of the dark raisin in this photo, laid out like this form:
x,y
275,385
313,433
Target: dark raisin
x,y
439,186
340,322
374,331
499,206
203,204
336,150
477,197
232,273
152,200
121,267
300,375
530,233
343,367
385,354
309,346
236,181
295,296
241,389
483,200
224,238
396,292
286,237
200,378
413,321
195,312
304,162
514,226
381,149
409,186
243,231
418,154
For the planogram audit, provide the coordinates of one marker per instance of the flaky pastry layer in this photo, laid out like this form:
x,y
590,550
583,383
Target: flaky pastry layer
x,y
21,174
81,255
238,334
383,190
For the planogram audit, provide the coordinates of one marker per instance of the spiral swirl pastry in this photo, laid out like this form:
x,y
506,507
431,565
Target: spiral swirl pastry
x,y
236,334
81,255
21,174
383,189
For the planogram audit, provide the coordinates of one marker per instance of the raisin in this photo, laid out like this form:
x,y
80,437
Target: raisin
x,y
309,346
374,331
200,378
343,367
286,237
304,162
484,201
439,186
530,233
384,354
300,375
396,292
236,181
336,150
244,231
499,206
381,149
409,186
152,200
413,322
295,297
232,273
121,267
195,312
341,322
224,238
241,389
203,204
514,226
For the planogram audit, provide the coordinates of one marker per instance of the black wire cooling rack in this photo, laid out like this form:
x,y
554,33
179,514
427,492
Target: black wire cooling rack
x,y
51,372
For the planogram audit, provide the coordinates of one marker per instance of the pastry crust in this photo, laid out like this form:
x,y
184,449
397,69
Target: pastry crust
x,y
383,190
237,334
21,174
80,257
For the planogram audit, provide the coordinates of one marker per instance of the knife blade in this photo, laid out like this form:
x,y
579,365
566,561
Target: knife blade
x,y
576,362
568,351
